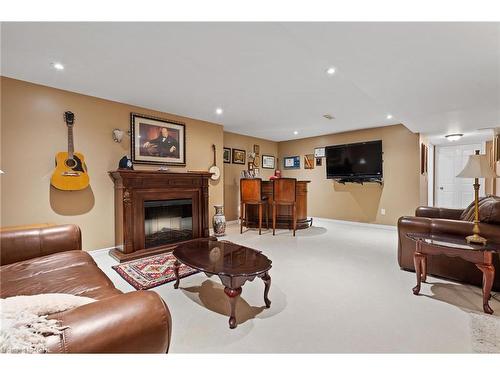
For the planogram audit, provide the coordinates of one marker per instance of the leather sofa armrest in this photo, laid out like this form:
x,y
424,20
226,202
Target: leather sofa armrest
x,y
18,244
438,213
135,322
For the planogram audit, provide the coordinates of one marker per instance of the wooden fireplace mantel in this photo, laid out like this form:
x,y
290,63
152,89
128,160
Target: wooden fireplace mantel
x,y
134,187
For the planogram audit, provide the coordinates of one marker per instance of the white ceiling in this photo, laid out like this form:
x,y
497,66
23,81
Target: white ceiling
x,y
269,78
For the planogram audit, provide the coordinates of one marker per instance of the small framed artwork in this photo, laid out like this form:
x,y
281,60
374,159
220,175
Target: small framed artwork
x,y
496,147
256,149
157,141
227,155
291,162
423,158
318,162
250,166
319,152
239,156
309,161
268,162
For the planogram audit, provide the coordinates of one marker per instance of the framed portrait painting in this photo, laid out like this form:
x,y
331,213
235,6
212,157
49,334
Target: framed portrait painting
x,y
239,156
157,141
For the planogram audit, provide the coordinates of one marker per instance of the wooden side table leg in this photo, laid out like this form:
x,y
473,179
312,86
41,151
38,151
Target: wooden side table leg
x,y
488,276
267,285
176,273
417,261
232,294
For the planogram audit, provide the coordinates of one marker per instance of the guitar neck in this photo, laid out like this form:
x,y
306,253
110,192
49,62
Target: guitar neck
x,y
71,149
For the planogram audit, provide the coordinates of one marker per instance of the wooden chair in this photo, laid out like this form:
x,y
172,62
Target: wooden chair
x,y
251,194
284,194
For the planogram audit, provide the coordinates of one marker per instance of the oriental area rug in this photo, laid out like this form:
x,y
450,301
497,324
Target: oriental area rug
x,y
147,273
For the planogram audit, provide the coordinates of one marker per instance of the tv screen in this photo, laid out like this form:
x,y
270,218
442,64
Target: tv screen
x,y
355,160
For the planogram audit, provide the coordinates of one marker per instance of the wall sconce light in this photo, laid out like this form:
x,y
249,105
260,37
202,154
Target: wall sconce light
x,y
117,135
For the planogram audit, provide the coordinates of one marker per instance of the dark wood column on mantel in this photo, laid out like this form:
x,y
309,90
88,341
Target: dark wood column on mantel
x,y
134,187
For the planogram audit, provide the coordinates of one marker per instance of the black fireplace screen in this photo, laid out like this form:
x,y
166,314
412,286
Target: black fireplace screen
x,y
167,221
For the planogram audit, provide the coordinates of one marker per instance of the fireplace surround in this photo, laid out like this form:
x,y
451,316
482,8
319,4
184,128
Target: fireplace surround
x,y
154,210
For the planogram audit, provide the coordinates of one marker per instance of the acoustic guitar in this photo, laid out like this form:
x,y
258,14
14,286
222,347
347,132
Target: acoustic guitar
x,y
71,171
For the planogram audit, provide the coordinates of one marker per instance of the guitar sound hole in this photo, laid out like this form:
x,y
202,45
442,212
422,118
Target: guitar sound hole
x,y
70,163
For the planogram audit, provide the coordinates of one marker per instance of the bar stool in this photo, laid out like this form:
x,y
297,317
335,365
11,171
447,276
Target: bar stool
x,y
284,194
251,194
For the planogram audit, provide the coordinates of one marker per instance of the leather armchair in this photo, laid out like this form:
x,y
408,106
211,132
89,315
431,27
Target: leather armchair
x,y
47,259
446,221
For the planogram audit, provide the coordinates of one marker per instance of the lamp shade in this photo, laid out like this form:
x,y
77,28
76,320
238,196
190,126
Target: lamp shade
x,y
477,167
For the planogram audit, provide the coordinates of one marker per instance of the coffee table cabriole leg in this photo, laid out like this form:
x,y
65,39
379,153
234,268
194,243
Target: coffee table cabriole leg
x,y
424,268
418,260
267,283
177,264
488,276
232,294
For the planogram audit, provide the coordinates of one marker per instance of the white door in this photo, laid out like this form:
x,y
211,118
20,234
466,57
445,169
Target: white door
x,y
453,192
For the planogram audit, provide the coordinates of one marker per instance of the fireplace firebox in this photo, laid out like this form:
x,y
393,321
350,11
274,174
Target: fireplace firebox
x,y
167,221
155,210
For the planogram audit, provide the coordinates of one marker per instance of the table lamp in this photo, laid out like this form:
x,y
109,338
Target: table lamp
x,y
477,167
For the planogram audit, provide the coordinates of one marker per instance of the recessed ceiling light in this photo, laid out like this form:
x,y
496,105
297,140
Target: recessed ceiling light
x,y
295,132
454,137
330,71
389,116
58,66
219,111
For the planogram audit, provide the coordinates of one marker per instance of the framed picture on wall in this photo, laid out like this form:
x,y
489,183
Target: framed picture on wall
x,y
157,141
256,149
291,162
239,156
309,161
226,156
319,152
268,162
496,147
423,158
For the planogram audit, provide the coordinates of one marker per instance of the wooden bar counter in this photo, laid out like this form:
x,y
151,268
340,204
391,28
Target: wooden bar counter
x,y
283,213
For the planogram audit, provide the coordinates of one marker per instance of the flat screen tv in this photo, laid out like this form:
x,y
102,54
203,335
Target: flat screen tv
x,y
354,161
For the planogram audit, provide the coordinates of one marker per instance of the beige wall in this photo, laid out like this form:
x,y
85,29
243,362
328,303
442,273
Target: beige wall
x,y
33,131
399,195
232,171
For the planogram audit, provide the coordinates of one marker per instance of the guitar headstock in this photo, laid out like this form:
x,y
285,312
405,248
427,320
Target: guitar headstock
x,y
69,117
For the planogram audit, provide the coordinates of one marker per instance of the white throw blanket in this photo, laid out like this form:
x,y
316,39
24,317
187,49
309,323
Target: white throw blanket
x,y
24,323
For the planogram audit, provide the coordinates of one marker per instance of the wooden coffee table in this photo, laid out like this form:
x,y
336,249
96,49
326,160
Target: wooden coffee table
x,y
455,246
232,263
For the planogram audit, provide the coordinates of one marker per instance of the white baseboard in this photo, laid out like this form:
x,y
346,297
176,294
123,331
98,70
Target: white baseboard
x,y
358,223
98,251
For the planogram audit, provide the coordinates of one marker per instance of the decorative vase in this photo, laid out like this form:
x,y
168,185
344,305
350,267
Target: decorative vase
x,y
219,221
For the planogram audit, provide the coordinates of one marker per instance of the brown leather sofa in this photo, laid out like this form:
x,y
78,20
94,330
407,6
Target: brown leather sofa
x,y
47,259
444,220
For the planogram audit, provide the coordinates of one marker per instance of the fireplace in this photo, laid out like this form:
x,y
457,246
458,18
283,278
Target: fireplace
x,y
154,210
167,221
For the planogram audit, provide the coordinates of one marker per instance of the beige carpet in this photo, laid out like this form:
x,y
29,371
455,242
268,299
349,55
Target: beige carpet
x,y
336,288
